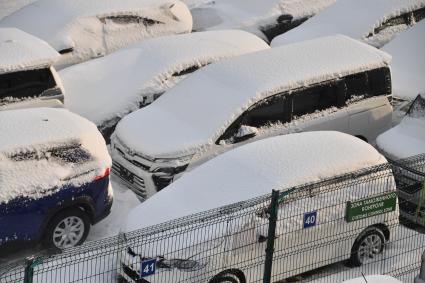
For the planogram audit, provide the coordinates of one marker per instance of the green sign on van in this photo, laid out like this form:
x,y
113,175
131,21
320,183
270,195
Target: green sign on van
x,y
369,207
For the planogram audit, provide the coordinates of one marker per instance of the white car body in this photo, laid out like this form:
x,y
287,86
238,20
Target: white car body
x,y
106,89
81,30
27,76
203,115
248,172
374,279
375,22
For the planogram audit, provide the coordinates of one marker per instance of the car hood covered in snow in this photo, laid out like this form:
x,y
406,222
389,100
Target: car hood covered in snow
x,y
112,86
196,112
254,170
354,18
20,51
408,64
250,15
407,138
41,130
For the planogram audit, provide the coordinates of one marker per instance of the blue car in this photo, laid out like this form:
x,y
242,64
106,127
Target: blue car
x,y
52,191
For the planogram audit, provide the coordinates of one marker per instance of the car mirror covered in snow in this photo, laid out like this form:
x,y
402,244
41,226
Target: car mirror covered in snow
x,y
244,133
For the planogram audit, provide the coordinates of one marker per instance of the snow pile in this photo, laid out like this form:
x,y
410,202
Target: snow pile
x,y
7,7
250,15
196,112
83,26
28,166
407,138
108,88
355,18
254,170
408,65
20,51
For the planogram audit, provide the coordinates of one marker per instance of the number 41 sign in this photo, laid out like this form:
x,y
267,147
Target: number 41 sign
x,y
147,267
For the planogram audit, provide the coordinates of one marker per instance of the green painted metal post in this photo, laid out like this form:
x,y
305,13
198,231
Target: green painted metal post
x,y
30,263
274,206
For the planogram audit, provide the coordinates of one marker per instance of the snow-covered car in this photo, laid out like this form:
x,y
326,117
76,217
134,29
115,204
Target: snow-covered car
x,y
374,279
331,83
266,18
27,77
405,140
375,22
408,62
107,89
54,177
197,253
8,7
81,30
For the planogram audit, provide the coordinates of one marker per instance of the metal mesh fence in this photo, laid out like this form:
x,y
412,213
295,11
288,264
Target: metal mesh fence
x,y
327,231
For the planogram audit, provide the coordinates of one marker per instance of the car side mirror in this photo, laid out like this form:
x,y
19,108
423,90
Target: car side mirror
x,y
245,133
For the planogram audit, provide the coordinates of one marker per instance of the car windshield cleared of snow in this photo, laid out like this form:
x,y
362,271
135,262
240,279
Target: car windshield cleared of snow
x,y
417,110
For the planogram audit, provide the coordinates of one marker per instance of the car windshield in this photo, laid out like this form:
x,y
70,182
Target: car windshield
x,y
24,84
417,110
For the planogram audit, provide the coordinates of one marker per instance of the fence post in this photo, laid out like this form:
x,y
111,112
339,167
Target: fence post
x,y
30,263
274,206
421,277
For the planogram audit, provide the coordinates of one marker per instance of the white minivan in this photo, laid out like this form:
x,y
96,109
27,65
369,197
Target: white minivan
x,y
331,83
230,240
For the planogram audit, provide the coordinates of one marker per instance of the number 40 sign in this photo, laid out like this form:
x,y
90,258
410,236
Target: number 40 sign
x,y
147,267
310,219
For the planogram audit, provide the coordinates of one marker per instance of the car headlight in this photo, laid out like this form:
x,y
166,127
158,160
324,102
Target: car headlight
x,y
175,161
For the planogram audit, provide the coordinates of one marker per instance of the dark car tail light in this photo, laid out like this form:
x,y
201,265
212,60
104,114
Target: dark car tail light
x,y
106,174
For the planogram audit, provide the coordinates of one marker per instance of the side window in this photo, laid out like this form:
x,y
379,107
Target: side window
x,y
419,15
379,81
130,19
272,110
357,85
405,19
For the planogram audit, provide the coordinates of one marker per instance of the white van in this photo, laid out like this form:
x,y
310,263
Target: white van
x,y
232,244
27,76
331,83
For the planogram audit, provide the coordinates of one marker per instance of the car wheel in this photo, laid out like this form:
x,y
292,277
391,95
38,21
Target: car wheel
x,y
367,247
229,276
67,229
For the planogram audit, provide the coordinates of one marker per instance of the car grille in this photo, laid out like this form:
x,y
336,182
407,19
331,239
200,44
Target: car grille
x,y
132,181
134,162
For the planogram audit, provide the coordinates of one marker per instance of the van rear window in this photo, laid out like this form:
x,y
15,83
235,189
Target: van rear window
x,y
24,84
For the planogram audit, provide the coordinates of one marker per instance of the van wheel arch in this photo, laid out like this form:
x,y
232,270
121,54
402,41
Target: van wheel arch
x,y
378,229
235,274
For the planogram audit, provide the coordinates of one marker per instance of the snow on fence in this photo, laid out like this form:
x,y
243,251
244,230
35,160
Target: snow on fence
x,y
316,232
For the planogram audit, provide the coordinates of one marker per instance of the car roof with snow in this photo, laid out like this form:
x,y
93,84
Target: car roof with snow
x,y
21,51
112,86
407,138
198,110
34,146
354,18
254,170
408,63
52,19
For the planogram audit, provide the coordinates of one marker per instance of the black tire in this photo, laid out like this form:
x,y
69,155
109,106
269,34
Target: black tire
x,y
229,276
75,213
372,233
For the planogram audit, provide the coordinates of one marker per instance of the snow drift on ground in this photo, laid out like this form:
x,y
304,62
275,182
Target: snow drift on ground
x,y
81,24
355,18
254,170
20,51
110,87
408,64
7,7
195,113
250,15
407,138
34,132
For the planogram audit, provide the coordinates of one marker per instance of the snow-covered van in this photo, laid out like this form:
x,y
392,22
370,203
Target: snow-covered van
x,y
331,83
106,89
235,247
27,77
54,177
81,30
374,22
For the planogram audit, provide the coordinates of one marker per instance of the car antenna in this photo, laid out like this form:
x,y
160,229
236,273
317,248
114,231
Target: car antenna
x,y
364,278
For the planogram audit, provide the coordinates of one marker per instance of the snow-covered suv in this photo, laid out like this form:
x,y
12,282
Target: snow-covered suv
x,y
27,77
331,83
